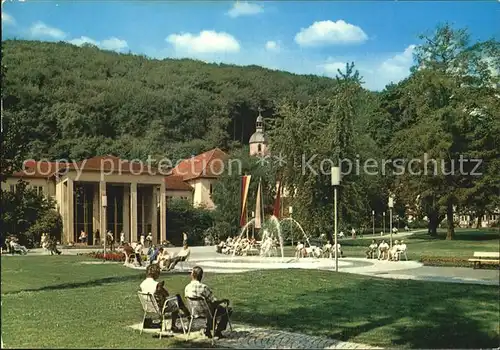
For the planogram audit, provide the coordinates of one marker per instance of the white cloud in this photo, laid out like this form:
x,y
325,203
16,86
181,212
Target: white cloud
x,y
244,9
272,46
41,30
8,19
376,73
329,32
83,40
207,41
112,44
332,68
399,65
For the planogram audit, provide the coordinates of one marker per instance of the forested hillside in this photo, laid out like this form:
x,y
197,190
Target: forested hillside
x,y
81,101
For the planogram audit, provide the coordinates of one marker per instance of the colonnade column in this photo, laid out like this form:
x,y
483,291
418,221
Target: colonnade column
x,y
163,213
70,218
126,214
133,211
103,220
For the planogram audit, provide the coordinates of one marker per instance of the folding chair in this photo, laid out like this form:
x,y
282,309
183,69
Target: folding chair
x,y
199,309
401,252
150,306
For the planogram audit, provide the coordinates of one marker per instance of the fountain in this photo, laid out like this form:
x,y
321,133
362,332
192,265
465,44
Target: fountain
x,y
269,235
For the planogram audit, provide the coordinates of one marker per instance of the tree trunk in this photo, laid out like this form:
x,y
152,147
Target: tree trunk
x,y
450,234
479,220
433,224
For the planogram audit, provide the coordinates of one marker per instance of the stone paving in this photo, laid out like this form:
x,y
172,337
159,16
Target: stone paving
x,y
249,337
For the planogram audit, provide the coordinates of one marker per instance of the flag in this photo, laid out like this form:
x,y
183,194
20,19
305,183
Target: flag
x,y
277,201
258,209
245,183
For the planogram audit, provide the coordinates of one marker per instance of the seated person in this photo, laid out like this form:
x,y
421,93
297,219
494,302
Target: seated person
x,y
16,247
157,289
299,250
196,289
393,251
153,253
372,249
327,249
181,256
383,250
128,250
164,259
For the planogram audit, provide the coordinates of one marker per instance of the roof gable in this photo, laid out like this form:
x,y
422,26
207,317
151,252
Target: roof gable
x,y
207,164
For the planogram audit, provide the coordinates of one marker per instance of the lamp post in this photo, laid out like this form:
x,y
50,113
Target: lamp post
x,y
105,231
290,211
383,214
335,173
373,221
391,205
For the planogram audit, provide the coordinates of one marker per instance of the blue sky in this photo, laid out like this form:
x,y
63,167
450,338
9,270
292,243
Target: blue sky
x,y
301,37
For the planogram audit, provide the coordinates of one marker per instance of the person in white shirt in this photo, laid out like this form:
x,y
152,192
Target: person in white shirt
x,y
299,250
142,239
183,255
138,253
353,233
184,238
157,289
393,251
383,250
339,250
372,249
149,239
164,258
122,238
394,230
16,247
196,289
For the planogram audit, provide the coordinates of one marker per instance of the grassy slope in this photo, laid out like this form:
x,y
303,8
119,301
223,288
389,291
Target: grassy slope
x,y
58,302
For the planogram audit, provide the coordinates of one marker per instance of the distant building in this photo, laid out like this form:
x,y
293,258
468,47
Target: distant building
x,y
258,141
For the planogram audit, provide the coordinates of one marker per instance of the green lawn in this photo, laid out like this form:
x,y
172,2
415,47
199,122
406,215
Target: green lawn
x,y
58,302
463,246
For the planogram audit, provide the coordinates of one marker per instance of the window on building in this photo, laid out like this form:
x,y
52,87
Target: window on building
x,y
40,190
12,188
259,148
211,189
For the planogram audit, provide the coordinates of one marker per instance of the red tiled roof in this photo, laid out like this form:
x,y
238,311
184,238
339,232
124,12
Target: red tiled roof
x,y
38,169
208,164
116,165
175,182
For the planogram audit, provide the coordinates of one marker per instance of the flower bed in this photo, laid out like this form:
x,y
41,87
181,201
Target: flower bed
x,y
111,256
445,261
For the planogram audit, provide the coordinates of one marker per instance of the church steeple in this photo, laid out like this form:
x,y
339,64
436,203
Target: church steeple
x,y
259,124
258,141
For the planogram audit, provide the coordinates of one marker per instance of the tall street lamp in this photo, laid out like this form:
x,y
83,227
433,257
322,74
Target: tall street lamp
x,y
383,214
290,211
373,221
391,205
335,173
104,202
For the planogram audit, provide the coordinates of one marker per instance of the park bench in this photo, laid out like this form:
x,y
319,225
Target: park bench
x,y
485,258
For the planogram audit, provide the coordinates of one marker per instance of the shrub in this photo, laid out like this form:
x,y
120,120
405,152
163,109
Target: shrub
x,y
450,261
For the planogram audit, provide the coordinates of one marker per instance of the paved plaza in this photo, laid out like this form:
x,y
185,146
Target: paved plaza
x,y
249,337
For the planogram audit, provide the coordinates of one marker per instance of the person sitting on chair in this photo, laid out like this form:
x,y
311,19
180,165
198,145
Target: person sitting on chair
x,y
181,256
372,249
157,289
164,259
196,289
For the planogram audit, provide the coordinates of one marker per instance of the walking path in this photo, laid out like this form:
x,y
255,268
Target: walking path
x,y
249,337
413,270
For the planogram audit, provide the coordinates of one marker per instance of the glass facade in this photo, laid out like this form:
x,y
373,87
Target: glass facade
x,y
83,208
